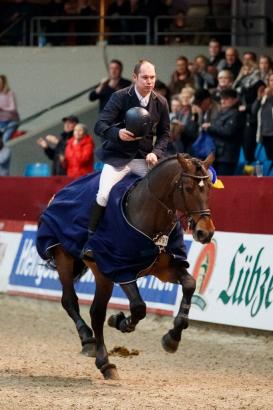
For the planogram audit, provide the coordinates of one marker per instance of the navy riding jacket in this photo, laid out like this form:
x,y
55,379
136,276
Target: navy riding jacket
x,y
118,153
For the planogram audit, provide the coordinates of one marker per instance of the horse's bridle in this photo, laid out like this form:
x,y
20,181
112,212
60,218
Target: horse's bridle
x,y
189,212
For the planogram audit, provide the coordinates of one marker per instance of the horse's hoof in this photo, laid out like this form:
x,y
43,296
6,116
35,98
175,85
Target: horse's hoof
x,y
169,344
114,320
109,372
89,349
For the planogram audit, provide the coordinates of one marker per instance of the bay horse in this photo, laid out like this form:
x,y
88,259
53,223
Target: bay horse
x,y
178,183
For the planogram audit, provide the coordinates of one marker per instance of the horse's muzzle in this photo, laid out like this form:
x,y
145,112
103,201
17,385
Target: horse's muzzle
x,y
204,230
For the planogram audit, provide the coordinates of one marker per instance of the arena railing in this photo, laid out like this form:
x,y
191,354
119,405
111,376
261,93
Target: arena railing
x,y
37,29
230,30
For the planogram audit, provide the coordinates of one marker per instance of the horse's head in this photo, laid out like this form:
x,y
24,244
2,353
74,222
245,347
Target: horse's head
x,y
191,195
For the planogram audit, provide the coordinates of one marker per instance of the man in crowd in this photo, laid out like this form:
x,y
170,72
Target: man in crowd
x,y
54,146
109,85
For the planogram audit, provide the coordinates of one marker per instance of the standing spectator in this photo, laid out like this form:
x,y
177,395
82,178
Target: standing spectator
x,y
247,85
109,85
54,147
203,79
225,82
9,116
185,124
181,76
265,66
117,9
231,62
86,9
5,155
263,107
216,56
209,108
78,158
227,130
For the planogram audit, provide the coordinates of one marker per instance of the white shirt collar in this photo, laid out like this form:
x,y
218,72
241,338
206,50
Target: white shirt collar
x,y
144,101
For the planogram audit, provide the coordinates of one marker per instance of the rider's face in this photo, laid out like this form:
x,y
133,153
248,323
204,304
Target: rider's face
x,y
145,79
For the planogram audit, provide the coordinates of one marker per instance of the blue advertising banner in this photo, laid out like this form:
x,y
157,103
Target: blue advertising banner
x,y
31,275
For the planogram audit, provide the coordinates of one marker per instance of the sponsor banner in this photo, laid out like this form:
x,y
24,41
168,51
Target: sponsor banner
x,y
234,280
9,243
31,275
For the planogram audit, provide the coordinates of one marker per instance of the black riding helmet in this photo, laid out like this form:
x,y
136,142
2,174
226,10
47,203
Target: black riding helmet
x,y
138,121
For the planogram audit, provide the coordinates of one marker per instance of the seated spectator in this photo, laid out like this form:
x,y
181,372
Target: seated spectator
x,y
54,147
9,116
203,79
5,155
78,157
227,130
265,66
110,84
216,56
181,77
177,26
231,62
263,108
225,82
85,9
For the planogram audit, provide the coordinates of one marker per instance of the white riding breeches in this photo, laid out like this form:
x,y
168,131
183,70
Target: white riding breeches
x,y
111,175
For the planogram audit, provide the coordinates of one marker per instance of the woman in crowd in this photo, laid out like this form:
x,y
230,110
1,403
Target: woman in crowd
x,y
265,67
263,107
181,77
79,153
9,116
185,122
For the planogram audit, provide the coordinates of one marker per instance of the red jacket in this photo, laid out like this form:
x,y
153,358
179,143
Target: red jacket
x,y
79,158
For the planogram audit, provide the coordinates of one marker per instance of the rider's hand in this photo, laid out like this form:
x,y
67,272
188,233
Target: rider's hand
x,y
151,159
126,135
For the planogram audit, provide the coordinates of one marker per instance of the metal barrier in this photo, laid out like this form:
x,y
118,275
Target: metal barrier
x,y
215,26
231,30
36,27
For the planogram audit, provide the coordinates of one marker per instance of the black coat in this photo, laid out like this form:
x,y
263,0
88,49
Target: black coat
x,y
116,152
227,132
106,92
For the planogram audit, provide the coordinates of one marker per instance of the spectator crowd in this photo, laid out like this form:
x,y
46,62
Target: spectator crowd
x,y
222,95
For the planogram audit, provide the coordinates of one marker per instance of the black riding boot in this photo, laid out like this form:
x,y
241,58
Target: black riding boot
x,y
96,216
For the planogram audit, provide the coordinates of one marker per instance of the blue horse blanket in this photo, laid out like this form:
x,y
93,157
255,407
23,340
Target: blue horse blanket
x,y
120,251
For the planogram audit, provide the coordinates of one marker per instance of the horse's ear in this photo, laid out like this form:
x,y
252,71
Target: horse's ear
x,y
209,160
183,161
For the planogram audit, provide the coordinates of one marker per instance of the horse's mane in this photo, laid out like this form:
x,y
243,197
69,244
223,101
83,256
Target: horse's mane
x,y
197,162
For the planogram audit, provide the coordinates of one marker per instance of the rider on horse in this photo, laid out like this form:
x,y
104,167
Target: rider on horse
x,y
122,151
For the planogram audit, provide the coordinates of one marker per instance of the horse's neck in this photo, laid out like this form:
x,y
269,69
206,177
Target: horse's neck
x,y
145,209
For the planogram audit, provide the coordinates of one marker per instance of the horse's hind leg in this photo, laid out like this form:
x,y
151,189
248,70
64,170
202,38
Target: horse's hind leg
x,y
65,267
104,289
137,309
171,340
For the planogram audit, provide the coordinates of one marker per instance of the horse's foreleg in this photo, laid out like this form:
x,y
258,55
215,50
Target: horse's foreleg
x,y
103,293
171,340
65,265
137,309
